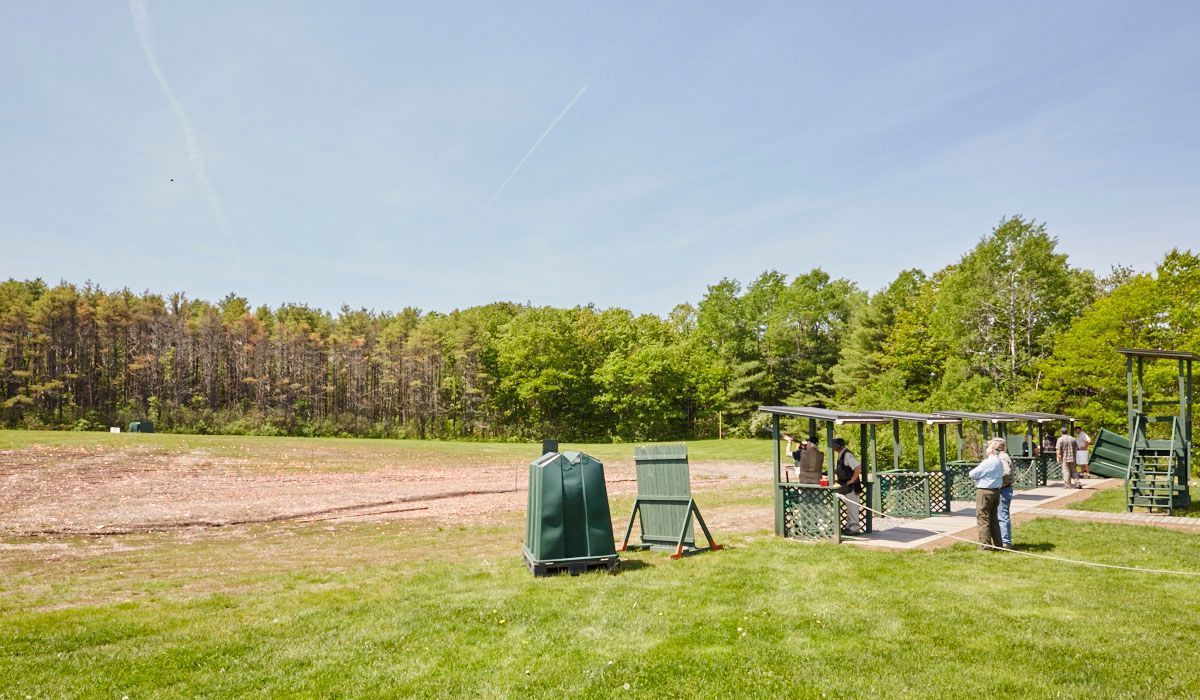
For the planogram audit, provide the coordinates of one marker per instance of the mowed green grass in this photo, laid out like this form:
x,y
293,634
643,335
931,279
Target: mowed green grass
x,y
1113,501
418,610
422,609
740,449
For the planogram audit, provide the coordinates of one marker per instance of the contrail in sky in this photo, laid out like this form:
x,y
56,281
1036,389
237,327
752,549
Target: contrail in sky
x,y
145,32
546,133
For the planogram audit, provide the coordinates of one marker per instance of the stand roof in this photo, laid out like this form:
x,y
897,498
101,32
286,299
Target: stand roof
x,y
825,414
1005,417
926,418
967,415
1159,354
1039,417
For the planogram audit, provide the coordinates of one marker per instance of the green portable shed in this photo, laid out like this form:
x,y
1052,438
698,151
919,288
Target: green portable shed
x,y
141,426
568,525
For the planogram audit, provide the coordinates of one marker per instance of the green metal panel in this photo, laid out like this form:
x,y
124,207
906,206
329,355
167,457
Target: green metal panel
x,y
567,516
1110,455
662,473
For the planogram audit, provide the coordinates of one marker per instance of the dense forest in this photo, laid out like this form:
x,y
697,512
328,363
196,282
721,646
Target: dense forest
x,y
1011,325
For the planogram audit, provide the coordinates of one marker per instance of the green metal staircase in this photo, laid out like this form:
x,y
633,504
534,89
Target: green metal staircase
x,y
1158,470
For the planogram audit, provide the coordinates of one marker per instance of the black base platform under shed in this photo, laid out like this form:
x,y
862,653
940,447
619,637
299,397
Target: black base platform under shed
x,y
571,566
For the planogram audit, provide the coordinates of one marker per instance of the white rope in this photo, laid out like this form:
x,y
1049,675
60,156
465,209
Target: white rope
x,y
1079,562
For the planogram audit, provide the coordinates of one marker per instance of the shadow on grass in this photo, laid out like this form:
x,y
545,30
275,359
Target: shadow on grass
x,y
1033,547
630,565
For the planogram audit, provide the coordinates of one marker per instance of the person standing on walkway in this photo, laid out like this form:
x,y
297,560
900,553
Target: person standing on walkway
x,y
1064,452
849,480
1004,508
988,478
1083,442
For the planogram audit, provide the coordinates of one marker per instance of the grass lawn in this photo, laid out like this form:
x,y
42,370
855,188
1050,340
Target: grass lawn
x,y
414,610
1113,501
737,449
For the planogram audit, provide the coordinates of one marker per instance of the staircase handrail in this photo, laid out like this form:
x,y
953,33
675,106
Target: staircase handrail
x,y
1136,440
1176,440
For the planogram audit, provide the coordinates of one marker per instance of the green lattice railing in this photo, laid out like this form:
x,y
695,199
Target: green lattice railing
x,y
810,511
961,486
1031,472
913,494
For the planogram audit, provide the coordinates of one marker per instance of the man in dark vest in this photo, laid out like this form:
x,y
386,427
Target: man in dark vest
x,y
849,480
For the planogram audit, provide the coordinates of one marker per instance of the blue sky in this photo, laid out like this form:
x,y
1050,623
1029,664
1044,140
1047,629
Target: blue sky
x,y
351,147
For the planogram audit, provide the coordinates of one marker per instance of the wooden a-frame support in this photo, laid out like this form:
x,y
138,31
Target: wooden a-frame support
x,y
687,521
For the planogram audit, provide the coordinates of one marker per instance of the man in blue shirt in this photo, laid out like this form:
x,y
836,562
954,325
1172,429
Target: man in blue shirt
x,y
988,478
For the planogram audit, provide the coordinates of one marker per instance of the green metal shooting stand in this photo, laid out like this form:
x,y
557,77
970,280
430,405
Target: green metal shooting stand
x,y
812,511
1031,470
1157,473
916,493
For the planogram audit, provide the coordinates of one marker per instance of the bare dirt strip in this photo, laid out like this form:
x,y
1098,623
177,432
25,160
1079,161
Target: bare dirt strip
x,y
105,490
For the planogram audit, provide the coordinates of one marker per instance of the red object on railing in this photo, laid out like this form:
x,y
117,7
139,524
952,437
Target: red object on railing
x,y
824,481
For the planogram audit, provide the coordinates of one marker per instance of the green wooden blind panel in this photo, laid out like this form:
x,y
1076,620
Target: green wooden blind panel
x,y
663,473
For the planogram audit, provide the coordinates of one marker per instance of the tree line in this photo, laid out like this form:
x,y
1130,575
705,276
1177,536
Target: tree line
x,y
1011,325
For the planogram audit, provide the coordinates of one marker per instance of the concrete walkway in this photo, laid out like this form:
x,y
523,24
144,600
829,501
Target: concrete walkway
x,y
931,533
1171,521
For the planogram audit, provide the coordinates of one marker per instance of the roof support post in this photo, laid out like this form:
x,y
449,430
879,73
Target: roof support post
x,y
1187,425
896,445
862,452
920,446
1129,394
1183,408
942,446
1141,387
778,491
829,458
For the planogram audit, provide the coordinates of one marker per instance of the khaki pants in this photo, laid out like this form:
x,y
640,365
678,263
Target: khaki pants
x,y
1070,478
987,523
853,516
